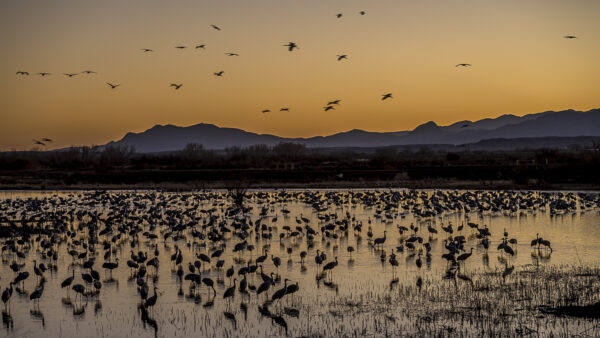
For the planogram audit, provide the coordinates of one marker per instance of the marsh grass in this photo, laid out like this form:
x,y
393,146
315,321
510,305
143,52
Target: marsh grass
x,y
540,300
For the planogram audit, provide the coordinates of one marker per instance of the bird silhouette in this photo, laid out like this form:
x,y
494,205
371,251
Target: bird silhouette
x,y
284,109
380,240
22,73
281,292
37,294
180,47
327,108
291,46
386,96
266,111
7,294
177,86
329,266
69,74
216,27
463,65
89,72
232,54
570,37
338,15
45,139
39,142
44,74
342,57
334,102
219,73
146,50
201,46
112,86
362,12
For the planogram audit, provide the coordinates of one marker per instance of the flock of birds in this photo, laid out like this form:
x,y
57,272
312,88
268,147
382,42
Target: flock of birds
x,y
212,240
291,46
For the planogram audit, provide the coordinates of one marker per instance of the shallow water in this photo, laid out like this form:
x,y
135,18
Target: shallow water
x,y
361,275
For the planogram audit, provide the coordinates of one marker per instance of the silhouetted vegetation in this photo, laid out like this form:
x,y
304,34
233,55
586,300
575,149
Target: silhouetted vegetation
x,y
289,162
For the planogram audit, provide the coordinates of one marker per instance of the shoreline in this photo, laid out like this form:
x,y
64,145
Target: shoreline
x,y
202,185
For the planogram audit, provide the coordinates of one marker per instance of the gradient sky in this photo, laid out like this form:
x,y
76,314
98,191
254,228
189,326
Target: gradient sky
x,y
521,64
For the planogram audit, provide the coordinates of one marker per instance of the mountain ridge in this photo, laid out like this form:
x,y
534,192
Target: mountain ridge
x,y
566,123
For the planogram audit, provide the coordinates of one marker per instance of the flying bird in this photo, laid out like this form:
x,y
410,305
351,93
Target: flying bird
x,y
219,73
215,27
463,65
44,74
284,109
45,139
362,12
386,96
177,86
338,15
334,102
146,50
89,72
113,86
22,73
570,37
180,47
232,54
291,46
266,111
39,142
342,57
328,108
200,46
70,74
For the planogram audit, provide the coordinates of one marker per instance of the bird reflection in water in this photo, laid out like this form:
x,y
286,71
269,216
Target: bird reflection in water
x,y
37,315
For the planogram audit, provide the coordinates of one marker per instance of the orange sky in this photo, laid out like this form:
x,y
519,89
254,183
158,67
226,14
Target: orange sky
x,y
521,64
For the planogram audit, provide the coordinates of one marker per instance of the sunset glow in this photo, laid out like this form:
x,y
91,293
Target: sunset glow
x,y
521,63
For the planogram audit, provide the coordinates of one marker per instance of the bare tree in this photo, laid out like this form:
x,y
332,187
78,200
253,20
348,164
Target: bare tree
x,y
238,193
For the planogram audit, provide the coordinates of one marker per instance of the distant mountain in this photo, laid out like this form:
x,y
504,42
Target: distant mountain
x,y
169,137
567,123
489,124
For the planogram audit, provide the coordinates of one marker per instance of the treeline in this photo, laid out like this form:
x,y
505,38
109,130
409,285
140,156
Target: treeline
x,y
286,156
